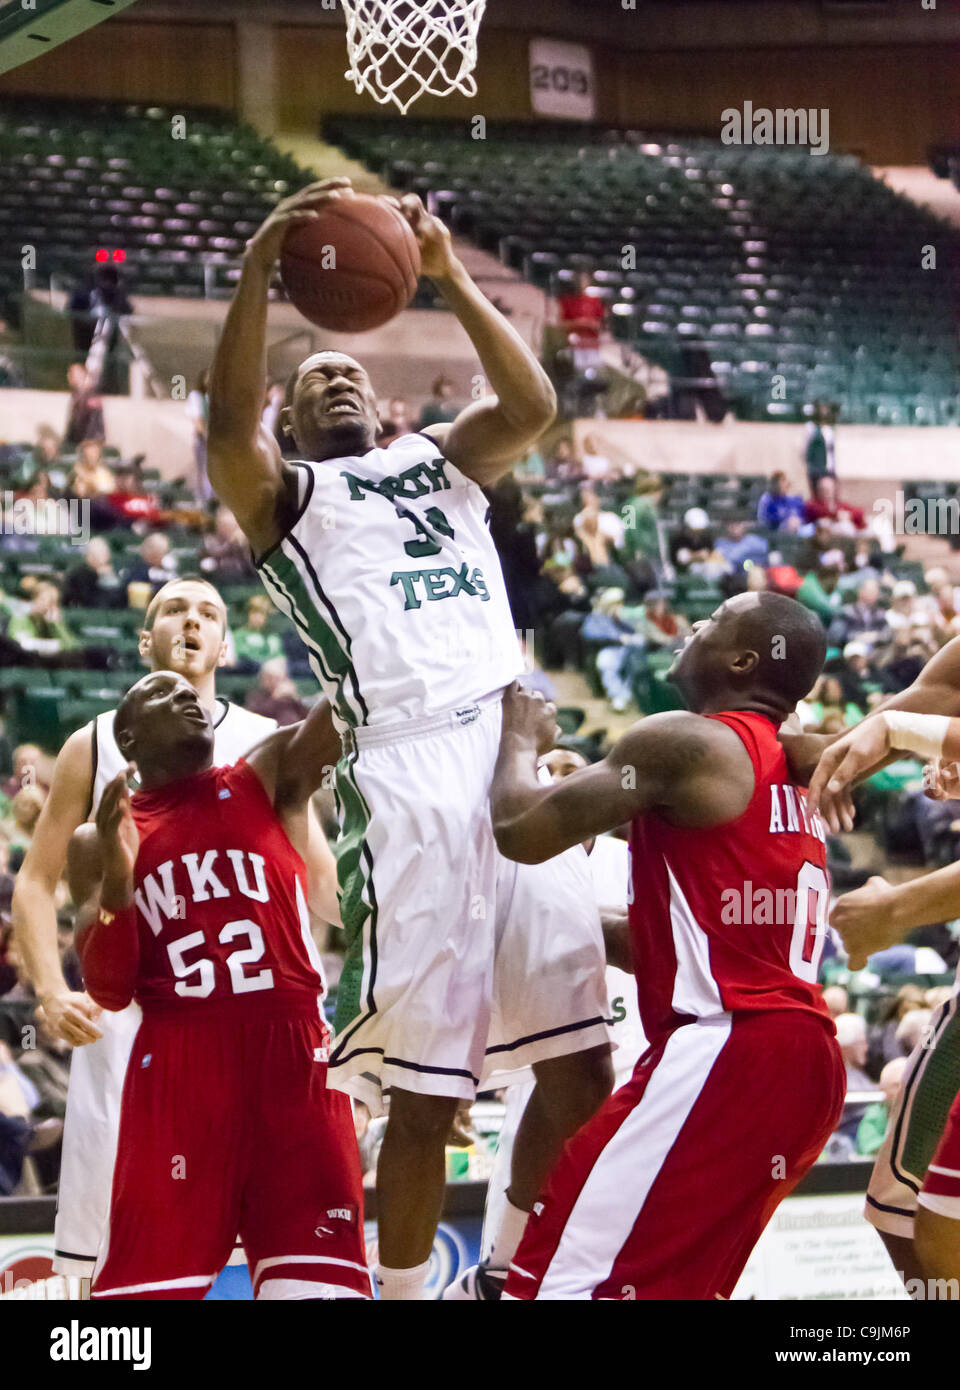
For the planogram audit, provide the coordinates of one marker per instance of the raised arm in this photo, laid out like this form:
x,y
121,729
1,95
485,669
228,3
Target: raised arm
x,y
491,435
815,758
694,771
67,1015
292,764
243,461
882,914
870,745
296,761
937,688
110,950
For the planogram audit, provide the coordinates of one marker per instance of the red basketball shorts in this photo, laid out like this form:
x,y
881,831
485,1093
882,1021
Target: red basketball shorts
x,y
227,1126
940,1192
664,1193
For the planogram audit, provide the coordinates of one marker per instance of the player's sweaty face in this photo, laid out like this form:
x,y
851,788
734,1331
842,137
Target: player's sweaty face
x,y
187,633
166,714
333,396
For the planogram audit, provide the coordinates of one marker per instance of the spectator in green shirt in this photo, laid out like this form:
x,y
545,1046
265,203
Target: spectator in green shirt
x,y
253,644
819,590
640,516
872,1129
41,630
441,408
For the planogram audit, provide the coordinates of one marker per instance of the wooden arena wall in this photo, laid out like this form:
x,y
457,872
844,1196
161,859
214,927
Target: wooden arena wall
x,y
888,104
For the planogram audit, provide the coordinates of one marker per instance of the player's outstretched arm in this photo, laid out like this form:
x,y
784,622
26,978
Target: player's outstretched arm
x,y
937,688
882,914
869,745
490,436
296,761
292,764
935,691
695,771
243,462
67,1016
110,951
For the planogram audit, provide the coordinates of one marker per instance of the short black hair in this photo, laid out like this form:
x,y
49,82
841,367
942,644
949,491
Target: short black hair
x,y
790,642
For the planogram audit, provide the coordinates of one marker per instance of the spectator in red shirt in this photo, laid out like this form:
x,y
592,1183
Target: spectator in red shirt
x,y
129,501
582,314
826,505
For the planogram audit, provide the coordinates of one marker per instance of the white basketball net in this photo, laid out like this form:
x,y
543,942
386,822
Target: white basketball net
x,y
400,49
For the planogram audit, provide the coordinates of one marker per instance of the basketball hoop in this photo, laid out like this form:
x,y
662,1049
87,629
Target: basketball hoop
x,y
400,49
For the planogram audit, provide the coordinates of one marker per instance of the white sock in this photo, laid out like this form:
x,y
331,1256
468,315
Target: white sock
x,y
508,1237
401,1285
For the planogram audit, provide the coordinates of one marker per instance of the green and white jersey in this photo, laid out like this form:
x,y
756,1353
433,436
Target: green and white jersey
x,y
394,584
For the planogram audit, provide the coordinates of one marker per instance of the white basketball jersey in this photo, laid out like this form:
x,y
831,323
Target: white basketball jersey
x,y
610,868
235,731
394,584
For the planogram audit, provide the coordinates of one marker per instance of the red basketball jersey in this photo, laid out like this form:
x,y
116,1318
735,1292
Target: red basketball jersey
x,y
221,900
731,918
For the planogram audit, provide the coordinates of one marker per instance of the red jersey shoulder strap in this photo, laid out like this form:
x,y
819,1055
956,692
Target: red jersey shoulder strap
x,y
758,734
239,777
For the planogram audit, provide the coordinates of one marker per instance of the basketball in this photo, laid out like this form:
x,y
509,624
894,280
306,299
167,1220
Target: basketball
x,y
354,267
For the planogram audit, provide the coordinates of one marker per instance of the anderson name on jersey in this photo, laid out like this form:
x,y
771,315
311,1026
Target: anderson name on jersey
x,y
394,584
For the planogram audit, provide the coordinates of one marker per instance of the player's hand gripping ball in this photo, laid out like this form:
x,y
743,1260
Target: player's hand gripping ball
x,y
434,241
355,264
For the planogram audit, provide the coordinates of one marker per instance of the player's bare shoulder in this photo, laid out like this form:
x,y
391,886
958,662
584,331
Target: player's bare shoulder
x,y
704,771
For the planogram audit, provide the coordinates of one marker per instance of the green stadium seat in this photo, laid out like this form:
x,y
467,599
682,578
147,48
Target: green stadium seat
x,y
37,717
74,713
743,270
23,678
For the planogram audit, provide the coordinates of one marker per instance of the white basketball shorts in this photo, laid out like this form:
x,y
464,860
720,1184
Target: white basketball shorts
x,y
89,1147
462,968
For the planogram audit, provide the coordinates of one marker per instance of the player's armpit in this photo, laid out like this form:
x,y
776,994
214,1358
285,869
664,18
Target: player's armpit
x,y
483,443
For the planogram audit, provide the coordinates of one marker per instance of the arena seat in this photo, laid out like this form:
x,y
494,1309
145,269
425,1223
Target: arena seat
x,y
778,263
89,174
